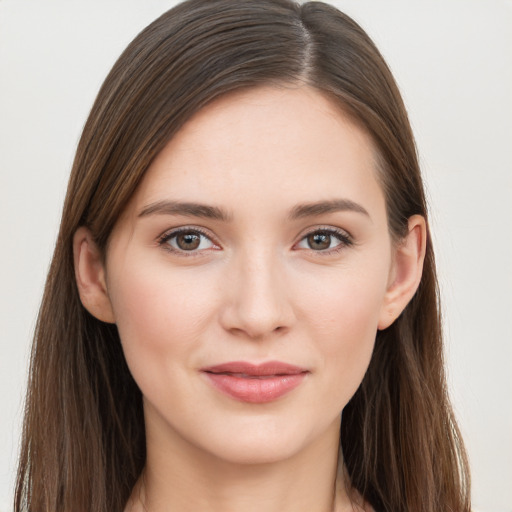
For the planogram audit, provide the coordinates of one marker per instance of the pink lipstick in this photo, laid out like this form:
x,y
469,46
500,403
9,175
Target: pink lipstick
x,y
255,383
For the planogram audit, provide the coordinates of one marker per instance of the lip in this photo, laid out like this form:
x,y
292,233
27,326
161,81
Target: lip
x,y
255,383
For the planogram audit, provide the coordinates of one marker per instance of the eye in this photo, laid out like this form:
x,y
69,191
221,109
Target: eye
x,y
186,240
325,240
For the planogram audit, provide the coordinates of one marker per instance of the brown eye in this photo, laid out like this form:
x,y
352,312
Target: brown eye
x,y
319,241
188,241
327,240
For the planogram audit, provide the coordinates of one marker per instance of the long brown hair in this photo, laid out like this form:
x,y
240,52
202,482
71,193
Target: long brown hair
x,y
83,440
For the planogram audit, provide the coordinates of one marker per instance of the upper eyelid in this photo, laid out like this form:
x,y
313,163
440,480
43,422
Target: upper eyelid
x,y
327,229
163,241
169,233
346,240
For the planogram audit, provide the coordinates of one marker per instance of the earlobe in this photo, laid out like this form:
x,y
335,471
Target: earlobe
x,y
90,276
406,273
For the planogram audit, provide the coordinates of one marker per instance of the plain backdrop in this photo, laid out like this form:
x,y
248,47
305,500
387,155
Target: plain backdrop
x,y
453,62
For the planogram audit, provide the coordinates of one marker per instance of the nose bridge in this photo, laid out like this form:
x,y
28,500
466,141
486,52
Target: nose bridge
x,y
259,303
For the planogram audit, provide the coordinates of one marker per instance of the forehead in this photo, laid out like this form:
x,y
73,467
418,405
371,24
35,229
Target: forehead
x,y
286,144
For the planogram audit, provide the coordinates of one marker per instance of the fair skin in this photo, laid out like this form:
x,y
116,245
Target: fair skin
x,y
254,274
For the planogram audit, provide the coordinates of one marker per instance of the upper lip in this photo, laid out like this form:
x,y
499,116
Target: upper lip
x,y
255,370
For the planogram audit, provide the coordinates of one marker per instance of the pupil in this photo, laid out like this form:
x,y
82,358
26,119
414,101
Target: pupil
x,y
188,241
319,241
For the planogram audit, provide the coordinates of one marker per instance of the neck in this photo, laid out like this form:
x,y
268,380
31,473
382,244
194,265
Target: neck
x,y
179,477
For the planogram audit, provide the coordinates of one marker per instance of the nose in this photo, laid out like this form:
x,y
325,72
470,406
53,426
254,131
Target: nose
x,y
257,299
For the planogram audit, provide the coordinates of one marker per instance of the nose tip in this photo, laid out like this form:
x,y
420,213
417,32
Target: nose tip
x,y
257,303
256,332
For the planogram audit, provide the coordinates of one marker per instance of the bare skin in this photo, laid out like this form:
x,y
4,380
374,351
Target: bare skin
x,y
289,259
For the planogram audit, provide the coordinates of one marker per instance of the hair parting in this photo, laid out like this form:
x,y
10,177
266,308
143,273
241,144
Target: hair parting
x,y
83,444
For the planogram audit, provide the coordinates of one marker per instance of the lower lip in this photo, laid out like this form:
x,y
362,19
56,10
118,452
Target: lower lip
x,y
255,390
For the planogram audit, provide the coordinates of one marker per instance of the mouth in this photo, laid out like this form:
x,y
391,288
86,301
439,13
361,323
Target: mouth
x,y
247,382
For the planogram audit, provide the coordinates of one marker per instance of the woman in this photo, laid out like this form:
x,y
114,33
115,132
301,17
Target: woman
x,y
242,305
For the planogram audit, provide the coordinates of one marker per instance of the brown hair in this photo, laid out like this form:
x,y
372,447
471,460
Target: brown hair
x,y
83,440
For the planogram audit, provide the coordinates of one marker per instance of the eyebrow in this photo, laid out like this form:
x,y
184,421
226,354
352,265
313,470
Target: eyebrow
x,y
322,207
186,209
300,211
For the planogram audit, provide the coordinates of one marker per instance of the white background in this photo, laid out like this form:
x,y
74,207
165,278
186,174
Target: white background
x,y
453,62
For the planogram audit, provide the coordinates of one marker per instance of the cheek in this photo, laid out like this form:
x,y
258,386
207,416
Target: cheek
x,y
160,315
342,317
352,327
345,306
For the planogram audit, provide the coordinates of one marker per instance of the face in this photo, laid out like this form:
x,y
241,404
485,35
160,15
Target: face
x,y
248,275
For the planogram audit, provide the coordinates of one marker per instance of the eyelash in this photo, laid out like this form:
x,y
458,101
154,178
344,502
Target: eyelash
x,y
344,238
163,240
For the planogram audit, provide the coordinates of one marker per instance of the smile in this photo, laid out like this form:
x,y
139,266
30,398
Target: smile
x,y
255,383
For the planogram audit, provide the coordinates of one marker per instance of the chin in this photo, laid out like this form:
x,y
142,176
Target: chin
x,y
268,440
255,451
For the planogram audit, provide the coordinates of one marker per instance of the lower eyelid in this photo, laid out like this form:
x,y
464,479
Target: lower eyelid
x,y
343,237
164,239
202,238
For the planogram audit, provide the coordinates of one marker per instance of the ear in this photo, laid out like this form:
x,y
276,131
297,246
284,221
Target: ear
x,y
90,276
406,271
